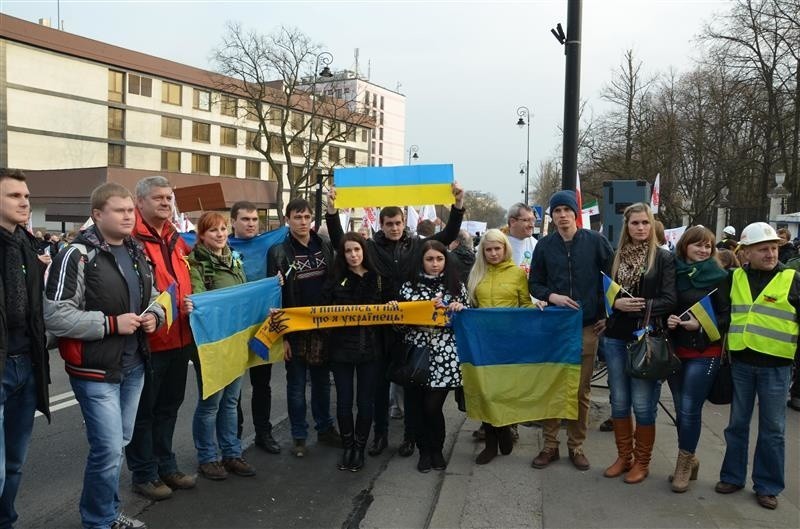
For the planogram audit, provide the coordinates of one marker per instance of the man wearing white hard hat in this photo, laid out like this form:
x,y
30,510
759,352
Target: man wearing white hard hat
x,y
728,240
765,302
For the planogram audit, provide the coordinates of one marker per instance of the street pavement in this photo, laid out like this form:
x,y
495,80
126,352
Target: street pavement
x,y
389,492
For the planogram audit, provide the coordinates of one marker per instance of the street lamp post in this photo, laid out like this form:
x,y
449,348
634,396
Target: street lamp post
x,y
325,58
412,153
524,114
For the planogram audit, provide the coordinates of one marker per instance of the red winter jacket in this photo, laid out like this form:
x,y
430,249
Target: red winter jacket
x,y
167,252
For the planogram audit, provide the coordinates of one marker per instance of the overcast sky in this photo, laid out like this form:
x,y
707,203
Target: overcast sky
x,y
465,67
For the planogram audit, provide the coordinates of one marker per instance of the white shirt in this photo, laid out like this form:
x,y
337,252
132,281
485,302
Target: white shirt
x,y
522,252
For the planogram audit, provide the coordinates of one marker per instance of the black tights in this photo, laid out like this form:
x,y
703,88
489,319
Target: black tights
x,y
429,423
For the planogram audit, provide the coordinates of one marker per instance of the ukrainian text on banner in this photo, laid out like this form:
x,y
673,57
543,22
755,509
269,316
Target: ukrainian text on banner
x,y
307,318
253,251
520,365
389,186
223,321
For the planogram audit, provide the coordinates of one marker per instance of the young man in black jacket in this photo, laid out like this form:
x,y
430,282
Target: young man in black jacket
x,y
24,366
305,260
100,302
566,272
393,252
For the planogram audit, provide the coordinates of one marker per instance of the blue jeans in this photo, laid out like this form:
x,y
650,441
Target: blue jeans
x,y
109,411
216,417
690,387
149,453
296,373
770,385
626,391
17,408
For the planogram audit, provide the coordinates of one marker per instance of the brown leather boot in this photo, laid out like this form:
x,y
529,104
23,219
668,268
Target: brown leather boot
x,y
683,471
644,436
623,435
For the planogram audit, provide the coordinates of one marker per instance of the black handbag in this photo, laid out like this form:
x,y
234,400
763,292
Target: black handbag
x,y
651,356
411,369
722,389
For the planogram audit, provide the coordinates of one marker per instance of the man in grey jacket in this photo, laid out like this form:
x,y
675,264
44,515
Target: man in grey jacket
x,y
100,302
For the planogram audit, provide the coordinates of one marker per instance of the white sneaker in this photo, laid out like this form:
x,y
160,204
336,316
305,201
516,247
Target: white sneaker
x,y
126,522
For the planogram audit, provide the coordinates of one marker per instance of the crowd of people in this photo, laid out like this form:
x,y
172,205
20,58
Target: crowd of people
x,y
97,297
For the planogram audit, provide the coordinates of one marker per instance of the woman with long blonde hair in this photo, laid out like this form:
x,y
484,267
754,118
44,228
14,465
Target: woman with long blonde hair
x,y
647,276
495,281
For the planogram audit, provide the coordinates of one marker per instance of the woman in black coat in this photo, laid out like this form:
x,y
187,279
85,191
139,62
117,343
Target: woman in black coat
x,y
354,350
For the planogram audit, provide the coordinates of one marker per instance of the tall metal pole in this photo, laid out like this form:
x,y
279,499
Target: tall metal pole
x,y
524,114
572,95
324,58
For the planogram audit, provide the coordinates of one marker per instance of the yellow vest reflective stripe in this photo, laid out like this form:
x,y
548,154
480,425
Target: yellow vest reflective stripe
x,y
767,325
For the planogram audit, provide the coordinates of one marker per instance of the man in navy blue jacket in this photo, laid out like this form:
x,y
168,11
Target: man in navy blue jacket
x,y
566,272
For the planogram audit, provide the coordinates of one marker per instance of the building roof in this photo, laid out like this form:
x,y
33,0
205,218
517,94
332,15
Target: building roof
x,y
39,36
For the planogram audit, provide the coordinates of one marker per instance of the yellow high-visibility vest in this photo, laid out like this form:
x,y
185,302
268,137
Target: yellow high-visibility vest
x,y
768,324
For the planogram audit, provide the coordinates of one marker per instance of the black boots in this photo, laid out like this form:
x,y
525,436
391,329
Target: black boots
x,y
490,450
346,431
359,443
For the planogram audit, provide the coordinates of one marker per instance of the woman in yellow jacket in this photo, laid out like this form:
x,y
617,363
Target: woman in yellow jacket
x,y
495,281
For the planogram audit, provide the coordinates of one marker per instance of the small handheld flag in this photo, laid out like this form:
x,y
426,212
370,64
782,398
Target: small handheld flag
x,y
703,311
169,300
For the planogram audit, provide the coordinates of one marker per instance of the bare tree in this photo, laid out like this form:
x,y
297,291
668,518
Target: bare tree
x,y
274,73
484,207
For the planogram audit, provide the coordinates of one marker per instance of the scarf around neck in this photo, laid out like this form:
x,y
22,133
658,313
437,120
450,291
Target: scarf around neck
x,y
702,274
632,265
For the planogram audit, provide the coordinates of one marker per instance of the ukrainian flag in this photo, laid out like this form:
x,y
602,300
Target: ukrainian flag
x,y
520,364
223,321
703,310
610,290
390,186
169,300
252,251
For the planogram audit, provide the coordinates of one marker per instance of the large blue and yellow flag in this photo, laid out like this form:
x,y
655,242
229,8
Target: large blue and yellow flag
x,y
703,310
223,321
520,365
389,186
253,251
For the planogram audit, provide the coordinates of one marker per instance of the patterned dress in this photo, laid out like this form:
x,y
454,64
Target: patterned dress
x,y
445,372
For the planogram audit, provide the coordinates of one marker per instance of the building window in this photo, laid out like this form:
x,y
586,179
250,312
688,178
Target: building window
x,y
380,162
253,140
140,86
373,146
317,124
115,86
366,98
381,121
364,135
380,149
338,93
201,99
252,110
275,144
170,93
227,166
201,163
252,169
333,154
116,155
374,100
297,120
275,115
297,148
273,175
295,172
116,123
381,102
201,132
380,134
227,136
171,161
350,156
171,127
227,105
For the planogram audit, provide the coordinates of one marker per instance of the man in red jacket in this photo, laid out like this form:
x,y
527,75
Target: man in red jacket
x,y
149,455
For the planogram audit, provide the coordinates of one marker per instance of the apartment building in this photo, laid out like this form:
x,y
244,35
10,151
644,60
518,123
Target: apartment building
x,y
69,104
386,107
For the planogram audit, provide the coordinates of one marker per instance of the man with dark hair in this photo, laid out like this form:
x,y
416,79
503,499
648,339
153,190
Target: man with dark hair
x,y
244,221
426,228
100,303
24,364
305,261
393,251
151,460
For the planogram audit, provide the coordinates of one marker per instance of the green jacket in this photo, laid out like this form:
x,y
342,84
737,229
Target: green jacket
x,y
504,285
210,272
